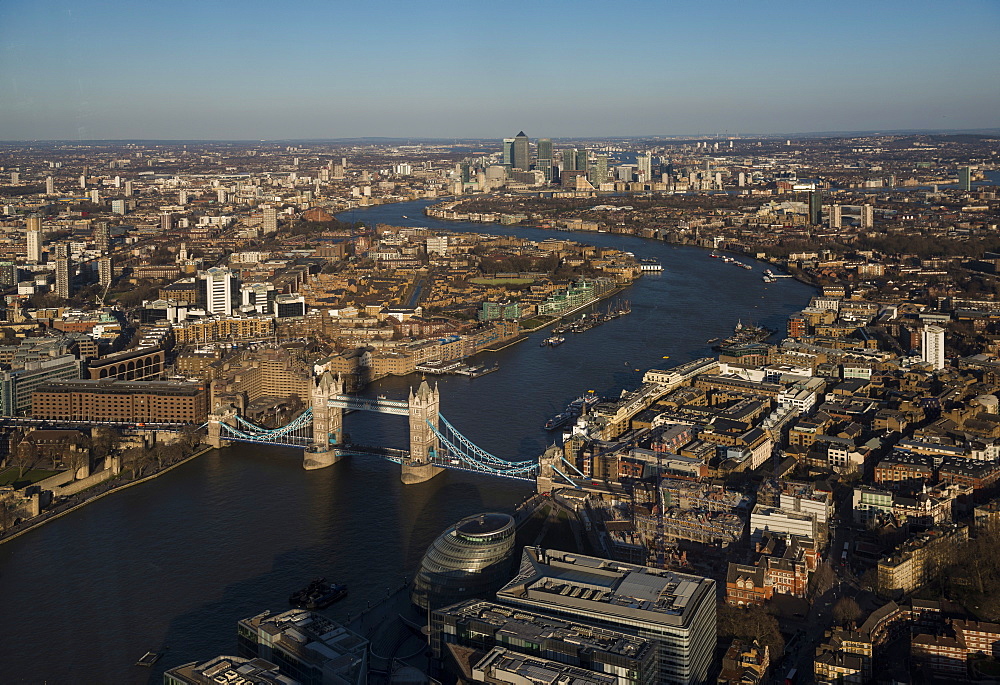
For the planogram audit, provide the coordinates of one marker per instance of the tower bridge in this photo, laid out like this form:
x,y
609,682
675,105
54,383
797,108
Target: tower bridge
x,y
434,443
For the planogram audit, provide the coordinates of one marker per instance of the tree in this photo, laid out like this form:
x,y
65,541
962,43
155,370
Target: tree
x,y
846,610
104,441
136,460
24,458
751,623
869,580
821,580
76,458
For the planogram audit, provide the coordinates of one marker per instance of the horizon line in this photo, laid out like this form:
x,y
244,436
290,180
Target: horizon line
x,y
675,136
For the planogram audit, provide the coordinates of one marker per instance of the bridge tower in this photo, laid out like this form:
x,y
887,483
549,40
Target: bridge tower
x,y
327,423
546,473
220,415
424,407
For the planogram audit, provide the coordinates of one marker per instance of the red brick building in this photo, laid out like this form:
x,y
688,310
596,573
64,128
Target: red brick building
x,y
121,401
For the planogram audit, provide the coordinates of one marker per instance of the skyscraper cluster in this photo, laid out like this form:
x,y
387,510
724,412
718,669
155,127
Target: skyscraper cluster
x,y
517,157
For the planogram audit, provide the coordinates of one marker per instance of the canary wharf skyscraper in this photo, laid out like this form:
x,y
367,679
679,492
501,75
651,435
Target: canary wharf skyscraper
x,y
522,153
544,161
508,152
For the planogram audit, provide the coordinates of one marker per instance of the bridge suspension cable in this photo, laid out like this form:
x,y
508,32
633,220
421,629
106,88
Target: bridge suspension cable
x,y
463,448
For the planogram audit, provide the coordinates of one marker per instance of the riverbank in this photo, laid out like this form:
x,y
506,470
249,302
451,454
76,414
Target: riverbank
x,y
95,494
797,275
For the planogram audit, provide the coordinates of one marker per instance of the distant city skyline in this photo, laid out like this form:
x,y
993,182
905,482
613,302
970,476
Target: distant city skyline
x,y
315,70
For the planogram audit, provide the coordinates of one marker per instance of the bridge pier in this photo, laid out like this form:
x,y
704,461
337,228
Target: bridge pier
x,y
411,473
318,458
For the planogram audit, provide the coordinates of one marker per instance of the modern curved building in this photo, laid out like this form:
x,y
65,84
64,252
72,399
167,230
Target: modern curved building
x,y
470,559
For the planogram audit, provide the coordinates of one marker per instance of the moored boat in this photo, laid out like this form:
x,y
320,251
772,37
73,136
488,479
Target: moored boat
x,y
319,594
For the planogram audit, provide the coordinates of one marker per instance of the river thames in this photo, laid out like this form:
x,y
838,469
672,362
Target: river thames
x,y
173,563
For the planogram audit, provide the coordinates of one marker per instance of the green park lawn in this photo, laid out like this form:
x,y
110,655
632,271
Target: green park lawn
x,y
9,476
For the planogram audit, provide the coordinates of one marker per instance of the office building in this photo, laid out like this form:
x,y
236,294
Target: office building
x,y
226,669
544,157
121,401
965,178
508,152
470,559
599,171
484,625
18,384
581,160
286,306
932,346
34,240
674,610
867,216
504,666
785,522
521,153
815,208
257,298
219,288
569,159
305,646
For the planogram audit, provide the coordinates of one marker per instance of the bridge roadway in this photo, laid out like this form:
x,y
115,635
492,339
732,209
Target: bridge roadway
x,y
378,404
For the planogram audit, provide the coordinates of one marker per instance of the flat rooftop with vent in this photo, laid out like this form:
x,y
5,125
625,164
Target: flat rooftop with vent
x,y
606,586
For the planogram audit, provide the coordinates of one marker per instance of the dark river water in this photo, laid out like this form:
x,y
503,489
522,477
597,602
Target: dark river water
x,y
173,563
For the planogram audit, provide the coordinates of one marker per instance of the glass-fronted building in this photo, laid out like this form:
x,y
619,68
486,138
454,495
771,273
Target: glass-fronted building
x,y
471,559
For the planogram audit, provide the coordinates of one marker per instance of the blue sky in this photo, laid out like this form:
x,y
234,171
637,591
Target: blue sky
x,y
216,69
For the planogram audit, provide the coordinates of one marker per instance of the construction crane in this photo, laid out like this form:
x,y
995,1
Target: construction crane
x,y
100,298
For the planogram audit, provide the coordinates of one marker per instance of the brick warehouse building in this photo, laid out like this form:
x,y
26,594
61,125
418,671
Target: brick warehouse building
x,y
121,401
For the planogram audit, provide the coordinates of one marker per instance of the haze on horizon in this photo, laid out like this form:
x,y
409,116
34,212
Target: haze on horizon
x,y
253,70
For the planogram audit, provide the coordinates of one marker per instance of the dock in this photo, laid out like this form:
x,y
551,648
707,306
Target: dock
x,y
457,368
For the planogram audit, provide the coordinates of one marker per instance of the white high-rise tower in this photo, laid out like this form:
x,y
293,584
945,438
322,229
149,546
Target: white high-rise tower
x,y
932,346
220,284
35,239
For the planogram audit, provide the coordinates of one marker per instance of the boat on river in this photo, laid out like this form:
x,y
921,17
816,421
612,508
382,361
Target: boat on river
x,y
149,658
318,594
572,410
744,334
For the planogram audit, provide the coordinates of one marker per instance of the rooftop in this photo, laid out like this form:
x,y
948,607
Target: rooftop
x,y
538,628
626,591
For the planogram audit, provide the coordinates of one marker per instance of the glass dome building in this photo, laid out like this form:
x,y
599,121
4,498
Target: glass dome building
x,y
471,559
